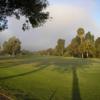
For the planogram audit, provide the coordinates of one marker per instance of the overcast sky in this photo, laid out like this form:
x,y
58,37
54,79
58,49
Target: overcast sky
x,y
68,16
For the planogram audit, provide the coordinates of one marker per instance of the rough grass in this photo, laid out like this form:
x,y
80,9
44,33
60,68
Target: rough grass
x,y
50,78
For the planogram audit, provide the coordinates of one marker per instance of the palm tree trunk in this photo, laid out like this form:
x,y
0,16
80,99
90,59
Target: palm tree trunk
x,y
81,44
81,40
87,54
82,55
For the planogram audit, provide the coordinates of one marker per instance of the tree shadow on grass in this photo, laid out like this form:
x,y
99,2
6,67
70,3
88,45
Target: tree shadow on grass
x,y
52,94
75,89
64,65
14,63
23,74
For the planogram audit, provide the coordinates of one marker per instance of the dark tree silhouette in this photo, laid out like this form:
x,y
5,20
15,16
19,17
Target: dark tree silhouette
x,y
32,10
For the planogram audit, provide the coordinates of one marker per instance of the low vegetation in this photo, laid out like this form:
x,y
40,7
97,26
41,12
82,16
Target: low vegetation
x,y
50,78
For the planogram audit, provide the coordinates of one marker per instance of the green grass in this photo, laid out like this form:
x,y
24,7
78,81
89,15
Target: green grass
x,y
50,78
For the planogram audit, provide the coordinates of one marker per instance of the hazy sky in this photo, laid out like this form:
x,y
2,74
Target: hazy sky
x,y
68,16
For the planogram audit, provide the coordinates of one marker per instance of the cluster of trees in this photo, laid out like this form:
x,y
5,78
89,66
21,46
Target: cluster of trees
x,y
82,45
11,47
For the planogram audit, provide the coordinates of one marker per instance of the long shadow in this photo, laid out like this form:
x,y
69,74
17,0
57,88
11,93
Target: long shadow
x,y
23,74
53,94
14,64
75,89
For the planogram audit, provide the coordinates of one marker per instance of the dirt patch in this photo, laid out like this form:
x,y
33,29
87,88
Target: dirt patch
x,y
4,97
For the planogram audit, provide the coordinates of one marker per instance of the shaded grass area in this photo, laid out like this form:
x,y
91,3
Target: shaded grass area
x,y
50,78
90,81
75,89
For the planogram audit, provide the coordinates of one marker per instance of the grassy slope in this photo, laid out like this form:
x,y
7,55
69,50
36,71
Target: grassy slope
x,y
51,78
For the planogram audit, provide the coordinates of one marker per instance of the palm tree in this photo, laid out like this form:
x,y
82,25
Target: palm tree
x,y
80,33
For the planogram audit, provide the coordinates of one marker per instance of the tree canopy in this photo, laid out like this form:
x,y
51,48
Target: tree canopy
x,y
12,46
32,10
80,32
60,47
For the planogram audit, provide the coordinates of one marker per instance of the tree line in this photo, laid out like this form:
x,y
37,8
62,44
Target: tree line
x,y
83,45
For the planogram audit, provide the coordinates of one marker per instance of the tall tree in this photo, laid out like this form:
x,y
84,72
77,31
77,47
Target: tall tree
x,y
60,47
32,10
89,37
80,33
12,46
87,48
89,44
97,46
74,46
